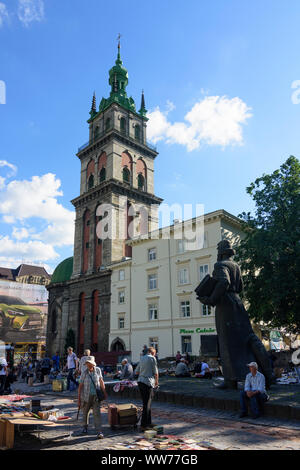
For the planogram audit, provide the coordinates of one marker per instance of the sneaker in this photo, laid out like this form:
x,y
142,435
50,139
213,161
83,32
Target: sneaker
x,y
100,435
243,415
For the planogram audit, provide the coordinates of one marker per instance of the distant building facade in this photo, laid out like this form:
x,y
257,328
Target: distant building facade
x,y
152,295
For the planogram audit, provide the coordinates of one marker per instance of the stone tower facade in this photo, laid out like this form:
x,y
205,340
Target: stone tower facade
x,y
116,202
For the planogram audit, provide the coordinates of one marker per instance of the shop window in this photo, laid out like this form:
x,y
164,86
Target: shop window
x,y
186,344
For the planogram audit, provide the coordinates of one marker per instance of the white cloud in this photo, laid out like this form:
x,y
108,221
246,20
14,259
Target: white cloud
x,y
13,168
214,120
32,250
41,223
3,13
30,10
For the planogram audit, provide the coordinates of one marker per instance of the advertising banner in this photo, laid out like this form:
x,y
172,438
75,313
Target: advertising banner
x,y
23,312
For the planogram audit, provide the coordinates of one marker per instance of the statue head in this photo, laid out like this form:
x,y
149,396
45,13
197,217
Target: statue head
x,y
225,250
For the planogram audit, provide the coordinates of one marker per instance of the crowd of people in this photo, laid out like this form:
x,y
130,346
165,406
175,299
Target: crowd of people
x,y
91,382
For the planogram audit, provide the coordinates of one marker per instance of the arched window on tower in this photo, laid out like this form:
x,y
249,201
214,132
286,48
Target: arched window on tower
x,y
102,174
123,125
141,182
96,133
126,175
91,182
107,124
137,132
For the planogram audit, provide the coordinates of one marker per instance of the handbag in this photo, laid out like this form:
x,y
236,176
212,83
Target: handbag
x,y
99,391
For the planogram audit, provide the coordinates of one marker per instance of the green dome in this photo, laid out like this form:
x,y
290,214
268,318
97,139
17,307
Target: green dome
x,y
63,271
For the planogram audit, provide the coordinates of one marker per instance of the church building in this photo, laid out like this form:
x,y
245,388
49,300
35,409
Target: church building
x,y
116,202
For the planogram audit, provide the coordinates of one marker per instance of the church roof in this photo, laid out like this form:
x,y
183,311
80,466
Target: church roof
x,y
63,271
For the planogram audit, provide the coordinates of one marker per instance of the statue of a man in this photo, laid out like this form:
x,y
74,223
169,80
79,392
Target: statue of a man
x,y
238,343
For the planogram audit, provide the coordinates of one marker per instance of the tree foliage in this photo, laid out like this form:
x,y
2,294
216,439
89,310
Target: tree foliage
x,y
270,252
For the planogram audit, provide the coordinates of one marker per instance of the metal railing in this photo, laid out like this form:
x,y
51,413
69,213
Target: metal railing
x,y
121,132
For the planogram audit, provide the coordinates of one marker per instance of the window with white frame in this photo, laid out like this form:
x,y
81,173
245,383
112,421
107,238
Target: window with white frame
x,y
121,323
206,310
183,276
121,297
153,343
181,246
151,254
152,281
203,271
153,311
121,275
185,308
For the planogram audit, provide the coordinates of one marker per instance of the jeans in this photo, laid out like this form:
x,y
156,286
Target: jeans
x,y
94,404
70,378
2,383
256,403
147,395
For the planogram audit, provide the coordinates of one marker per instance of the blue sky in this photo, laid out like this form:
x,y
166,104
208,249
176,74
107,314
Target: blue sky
x,y
217,73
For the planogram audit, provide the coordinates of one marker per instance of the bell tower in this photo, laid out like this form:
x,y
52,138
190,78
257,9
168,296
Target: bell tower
x,y
117,199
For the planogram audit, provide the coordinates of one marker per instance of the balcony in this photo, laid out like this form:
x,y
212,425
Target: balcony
x,y
122,132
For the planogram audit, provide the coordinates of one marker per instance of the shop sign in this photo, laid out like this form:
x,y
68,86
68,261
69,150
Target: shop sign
x,y
197,330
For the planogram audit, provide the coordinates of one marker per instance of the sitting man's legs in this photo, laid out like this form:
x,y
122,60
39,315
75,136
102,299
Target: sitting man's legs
x,y
256,404
243,404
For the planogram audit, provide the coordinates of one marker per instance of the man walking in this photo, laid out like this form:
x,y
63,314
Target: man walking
x,y
82,363
72,365
147,381
90,381
255,391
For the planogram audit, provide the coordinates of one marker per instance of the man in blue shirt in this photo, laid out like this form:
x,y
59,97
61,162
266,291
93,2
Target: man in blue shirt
x,y
254,391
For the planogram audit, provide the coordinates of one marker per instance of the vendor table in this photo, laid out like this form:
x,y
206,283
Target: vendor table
x,y
8,423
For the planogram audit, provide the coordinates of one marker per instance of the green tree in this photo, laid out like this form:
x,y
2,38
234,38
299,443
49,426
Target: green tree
x,y
270,252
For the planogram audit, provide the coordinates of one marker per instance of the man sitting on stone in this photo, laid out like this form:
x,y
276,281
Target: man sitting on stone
x,y
254,391
182,369
127,371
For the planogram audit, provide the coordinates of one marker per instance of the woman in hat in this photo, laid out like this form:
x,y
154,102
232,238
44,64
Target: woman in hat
x,y
91,381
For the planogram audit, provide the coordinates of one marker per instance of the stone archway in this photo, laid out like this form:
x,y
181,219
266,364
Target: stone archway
x,y
118,345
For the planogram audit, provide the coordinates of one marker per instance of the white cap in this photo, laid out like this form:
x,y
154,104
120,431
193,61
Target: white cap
x,y
253,364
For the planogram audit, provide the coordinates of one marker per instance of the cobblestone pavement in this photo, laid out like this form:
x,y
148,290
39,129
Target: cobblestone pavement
x,y
210,428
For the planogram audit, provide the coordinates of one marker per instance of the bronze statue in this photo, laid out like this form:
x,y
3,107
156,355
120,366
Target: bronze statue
x,y
238,343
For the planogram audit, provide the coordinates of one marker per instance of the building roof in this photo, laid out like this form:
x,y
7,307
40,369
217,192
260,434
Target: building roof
x,y
63,271
9,274
29,270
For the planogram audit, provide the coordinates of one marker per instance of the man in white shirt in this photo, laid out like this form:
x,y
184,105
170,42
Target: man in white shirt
x,y
72,365
254,391
3,374
82,363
